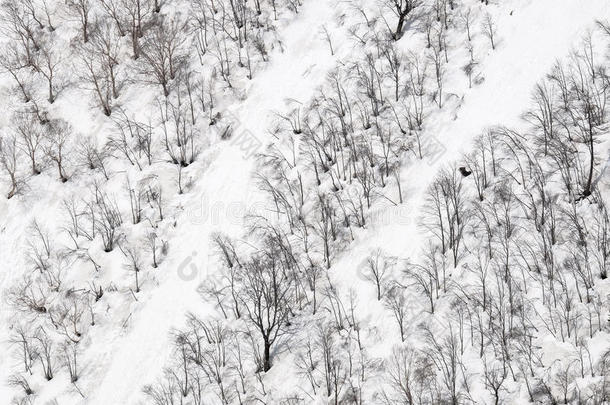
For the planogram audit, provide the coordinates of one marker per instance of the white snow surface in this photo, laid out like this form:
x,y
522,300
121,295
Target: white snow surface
x,y
531,38
224,191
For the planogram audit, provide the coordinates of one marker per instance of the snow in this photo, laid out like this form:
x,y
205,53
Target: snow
x,y
223,190
532,35
540,32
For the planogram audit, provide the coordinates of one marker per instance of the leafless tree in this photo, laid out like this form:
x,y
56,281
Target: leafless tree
x,y
133,139
163,54
410,377
378,265
490,30
152,246
113,9
47,62
429,277
396,301
137,14
14,62
136,195
495,376
9,156
92,156
395,67
589,110
18,380
106,219
22,338
134,262
466,19
105,41
45,350
82,10
69,359
448,212
58,135
19,25
402,8
98,80
179,132
444,353
416,87
436,56
265,298
31,136
28,297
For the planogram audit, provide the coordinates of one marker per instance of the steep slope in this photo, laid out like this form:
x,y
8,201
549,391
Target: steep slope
x,y
531,36
223,193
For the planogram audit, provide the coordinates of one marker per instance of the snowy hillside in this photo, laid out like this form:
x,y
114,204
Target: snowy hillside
x,y
304,202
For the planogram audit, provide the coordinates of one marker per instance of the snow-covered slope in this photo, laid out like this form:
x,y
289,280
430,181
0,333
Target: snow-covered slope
x,y
133,339
223,193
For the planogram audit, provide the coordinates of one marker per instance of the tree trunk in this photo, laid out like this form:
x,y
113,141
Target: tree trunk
x,y
267,356
401,22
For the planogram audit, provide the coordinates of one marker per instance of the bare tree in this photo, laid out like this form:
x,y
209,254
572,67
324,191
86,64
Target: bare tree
x,y
447,211
105,41
416,87
410,377
466,19
27,297
265,297
378,265
82,9
13,61
163,54
9,157
18,380
92,156
70,360
589,110
45,352
134,262
22,338
490,29
428,277
47,63
19,25
58,135
396,301
114,13
402,8
444,353
136,14
31,136
105,218
98,80
436,56
495,376
152,247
